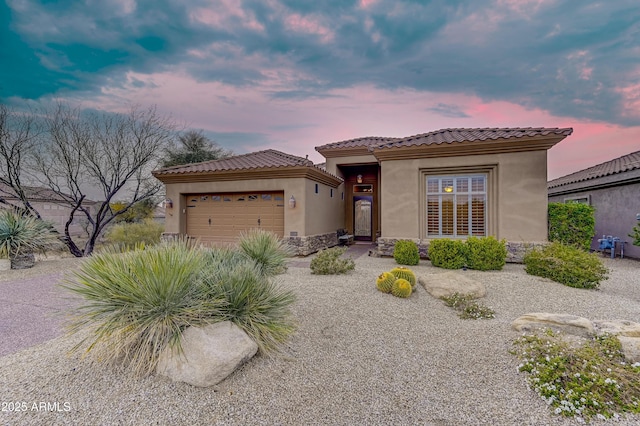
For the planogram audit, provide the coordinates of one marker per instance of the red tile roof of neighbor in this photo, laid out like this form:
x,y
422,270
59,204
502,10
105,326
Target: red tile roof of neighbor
x,y
621,164
356,143
266,159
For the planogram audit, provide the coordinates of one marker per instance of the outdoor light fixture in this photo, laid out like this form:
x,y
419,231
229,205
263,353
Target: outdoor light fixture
x,y
292,203
168,203
359,178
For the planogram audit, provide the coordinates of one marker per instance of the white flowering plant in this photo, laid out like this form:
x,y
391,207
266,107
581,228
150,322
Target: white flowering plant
x,y
585,381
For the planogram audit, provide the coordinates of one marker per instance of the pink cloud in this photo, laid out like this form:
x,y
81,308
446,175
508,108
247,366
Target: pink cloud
x,y
309,25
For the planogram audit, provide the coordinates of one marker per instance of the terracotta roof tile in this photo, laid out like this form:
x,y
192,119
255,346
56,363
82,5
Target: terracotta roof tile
x,y
269,158
447,136
621,164
356,143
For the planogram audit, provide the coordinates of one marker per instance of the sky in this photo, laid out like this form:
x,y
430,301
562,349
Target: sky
x,y
295,74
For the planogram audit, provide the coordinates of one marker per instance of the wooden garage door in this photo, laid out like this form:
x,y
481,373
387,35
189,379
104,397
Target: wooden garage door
x,y
218,218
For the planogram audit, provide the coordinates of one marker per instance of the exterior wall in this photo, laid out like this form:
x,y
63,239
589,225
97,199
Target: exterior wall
x,y
58,214
516,197
314,214
616,209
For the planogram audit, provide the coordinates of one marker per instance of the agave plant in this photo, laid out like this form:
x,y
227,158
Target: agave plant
x,y
23,234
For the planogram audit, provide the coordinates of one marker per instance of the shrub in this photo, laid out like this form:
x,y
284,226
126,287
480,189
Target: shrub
x,y
591,380
635,234
266,249
572,224
486,253
127,234
406,252
136,303
567,265
253,301
329,262
448,254
23,234
467,307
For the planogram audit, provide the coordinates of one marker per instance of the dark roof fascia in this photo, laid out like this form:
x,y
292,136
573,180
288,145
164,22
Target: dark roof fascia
x,y
609,181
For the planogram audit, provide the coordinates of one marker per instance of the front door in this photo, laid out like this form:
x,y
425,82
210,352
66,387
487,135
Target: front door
x,y
362,217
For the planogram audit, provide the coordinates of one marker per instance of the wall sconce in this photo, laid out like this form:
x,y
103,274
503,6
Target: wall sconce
x,y
448,189
292,203
359,178
168,203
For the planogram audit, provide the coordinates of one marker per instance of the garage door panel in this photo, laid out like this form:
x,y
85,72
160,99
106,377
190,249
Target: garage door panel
x,y
232,214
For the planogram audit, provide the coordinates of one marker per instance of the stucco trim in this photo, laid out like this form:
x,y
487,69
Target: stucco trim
x,y
498,146
311,173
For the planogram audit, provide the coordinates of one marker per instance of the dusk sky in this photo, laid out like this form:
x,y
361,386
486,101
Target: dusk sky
x,y
294,74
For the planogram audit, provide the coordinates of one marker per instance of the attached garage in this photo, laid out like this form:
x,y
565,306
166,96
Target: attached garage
x,y
220,218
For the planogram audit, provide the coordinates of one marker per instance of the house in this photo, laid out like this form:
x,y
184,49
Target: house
x,y
51,207
613,188
450,183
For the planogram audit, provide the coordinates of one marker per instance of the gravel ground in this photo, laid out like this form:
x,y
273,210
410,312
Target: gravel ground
x,y
358,357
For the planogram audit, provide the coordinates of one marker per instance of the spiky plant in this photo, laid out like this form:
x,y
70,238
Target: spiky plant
x,y
136,303
268,251
253,301
406,274
23,234
401,288
385,282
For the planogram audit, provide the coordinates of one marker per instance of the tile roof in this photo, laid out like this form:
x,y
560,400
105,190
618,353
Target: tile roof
x,y
448,136
356,143
268,159
619,165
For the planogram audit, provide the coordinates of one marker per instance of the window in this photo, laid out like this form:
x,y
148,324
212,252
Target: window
x,y
331,192
456,206
317,188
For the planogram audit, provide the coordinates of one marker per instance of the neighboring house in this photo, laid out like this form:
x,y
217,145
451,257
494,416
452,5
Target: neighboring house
x,y
51,208
451,183
613,188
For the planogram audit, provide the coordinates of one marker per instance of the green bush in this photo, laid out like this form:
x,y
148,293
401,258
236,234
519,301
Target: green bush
x,y
447,253
329,262
127,234
572,224
486,253
406,252
253,301
136,303
265,248
586,381
567,265
635,234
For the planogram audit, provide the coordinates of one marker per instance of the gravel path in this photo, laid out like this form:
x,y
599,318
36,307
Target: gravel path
x,y
359,357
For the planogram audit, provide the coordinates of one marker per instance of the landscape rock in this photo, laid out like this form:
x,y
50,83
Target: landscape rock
x,y
448,283
210,354
569,324
630,348
618,327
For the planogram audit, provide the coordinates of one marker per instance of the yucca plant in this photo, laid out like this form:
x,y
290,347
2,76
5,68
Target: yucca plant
x,y
23,234
136,303
254,302
268,251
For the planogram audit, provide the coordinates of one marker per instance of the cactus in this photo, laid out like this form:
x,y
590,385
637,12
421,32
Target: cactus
x,y
401,288
385,282
405,274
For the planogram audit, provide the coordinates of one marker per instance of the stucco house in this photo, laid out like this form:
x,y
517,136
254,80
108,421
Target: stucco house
x,y
613,188
450,183
51,207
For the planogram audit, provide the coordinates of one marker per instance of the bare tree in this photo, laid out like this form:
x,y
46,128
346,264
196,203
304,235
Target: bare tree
x,y
18,135
108,155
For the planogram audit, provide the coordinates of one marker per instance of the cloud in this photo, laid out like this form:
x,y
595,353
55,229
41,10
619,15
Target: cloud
x,y
448,110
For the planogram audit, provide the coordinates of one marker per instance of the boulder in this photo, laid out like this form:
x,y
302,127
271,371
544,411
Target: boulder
x,y
630,348
210,354
618,327
569,324
439,285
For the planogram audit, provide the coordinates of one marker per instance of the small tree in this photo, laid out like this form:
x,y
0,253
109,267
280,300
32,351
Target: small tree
x,y
195,148
572,224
